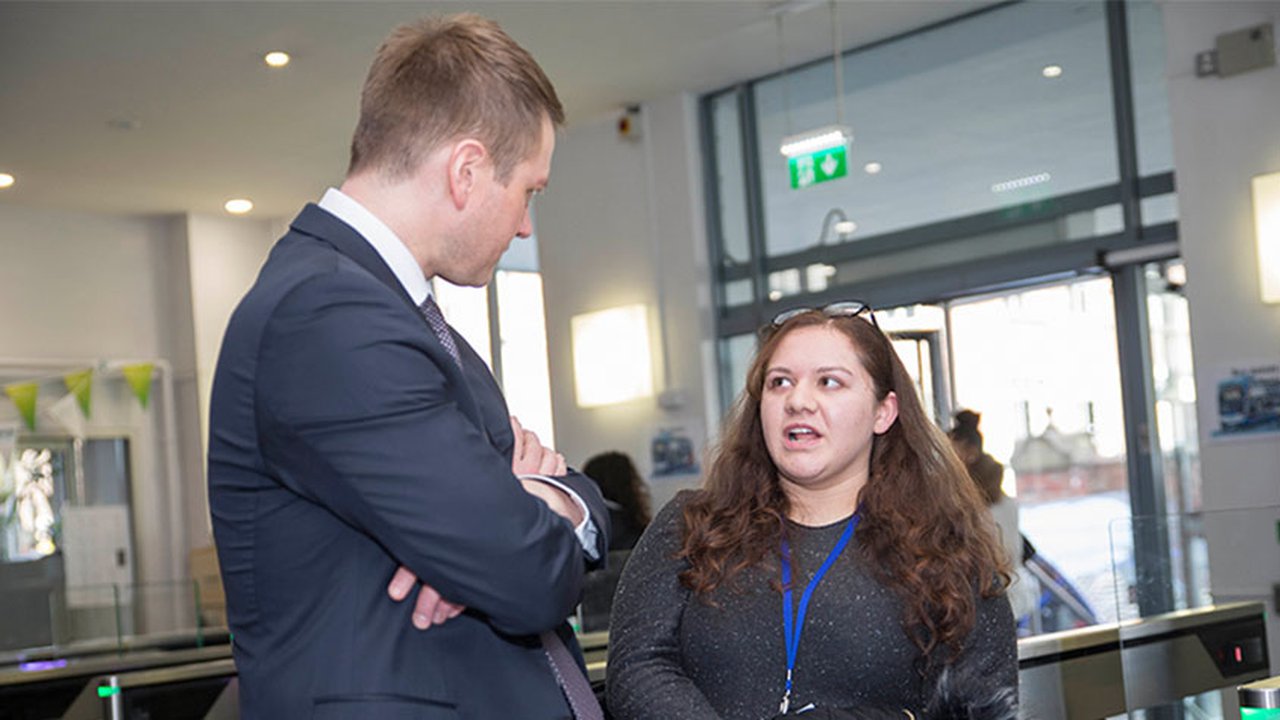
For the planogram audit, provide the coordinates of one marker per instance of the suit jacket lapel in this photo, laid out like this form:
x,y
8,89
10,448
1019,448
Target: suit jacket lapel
x,y
324,226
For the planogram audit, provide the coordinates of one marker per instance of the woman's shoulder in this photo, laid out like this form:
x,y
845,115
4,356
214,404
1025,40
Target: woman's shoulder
x,y
673,511
667,527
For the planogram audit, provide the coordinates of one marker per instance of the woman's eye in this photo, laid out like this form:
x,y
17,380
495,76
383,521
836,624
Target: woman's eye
x,y
776,382
830,382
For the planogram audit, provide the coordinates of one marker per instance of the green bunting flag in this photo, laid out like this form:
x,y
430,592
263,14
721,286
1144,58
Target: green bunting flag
x,y
24,398
81,385
139,377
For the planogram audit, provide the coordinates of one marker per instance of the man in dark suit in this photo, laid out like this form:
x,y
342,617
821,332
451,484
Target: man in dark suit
x,y
353,433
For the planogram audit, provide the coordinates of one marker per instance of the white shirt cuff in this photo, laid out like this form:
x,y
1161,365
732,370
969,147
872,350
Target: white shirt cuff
x,y
586,530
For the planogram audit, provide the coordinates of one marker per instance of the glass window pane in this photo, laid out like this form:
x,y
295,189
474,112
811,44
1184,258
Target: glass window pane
x,y
1041,366
735,358
522,331
737,292
730,178
918,333
1159,209
1173,381
467,310
1150,88
967,249
960,119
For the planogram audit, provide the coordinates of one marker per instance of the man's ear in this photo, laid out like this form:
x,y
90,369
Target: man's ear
x,y
467,160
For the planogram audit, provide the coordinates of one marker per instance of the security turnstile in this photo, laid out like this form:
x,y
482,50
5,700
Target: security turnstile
x,y
197,691
1105,670
47,689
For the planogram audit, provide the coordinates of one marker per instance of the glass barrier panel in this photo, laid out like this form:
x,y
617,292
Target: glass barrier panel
x,y
161,609
1194,596
87,616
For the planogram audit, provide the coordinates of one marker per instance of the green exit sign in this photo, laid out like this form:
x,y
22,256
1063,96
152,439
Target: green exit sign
x,y
818,167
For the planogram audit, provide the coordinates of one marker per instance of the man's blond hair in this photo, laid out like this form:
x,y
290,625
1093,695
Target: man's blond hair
x,y
445,78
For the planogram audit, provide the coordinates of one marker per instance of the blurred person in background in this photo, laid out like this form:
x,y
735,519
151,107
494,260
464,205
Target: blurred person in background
x,y
987,475
625,494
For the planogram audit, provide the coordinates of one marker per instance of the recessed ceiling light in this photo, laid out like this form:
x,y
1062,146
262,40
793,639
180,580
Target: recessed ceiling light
x,y
872,168
276,59
6,180
238,206
1051,71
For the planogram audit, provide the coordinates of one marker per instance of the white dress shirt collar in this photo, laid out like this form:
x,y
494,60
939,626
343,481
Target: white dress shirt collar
x,y
389,247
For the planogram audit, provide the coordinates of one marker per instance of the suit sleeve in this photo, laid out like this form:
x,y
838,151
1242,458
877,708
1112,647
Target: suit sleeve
x,y
597,515
355,414
646,676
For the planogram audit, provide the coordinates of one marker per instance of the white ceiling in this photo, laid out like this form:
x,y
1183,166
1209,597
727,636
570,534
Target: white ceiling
x,y
165,107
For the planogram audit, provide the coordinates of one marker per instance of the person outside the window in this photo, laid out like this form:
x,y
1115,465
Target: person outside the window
x,y
836,562
987,474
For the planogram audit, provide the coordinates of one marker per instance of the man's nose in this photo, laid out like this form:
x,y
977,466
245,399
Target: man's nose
x,y
526,226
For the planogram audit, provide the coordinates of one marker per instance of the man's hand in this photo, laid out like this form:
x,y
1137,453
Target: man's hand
x,y
430,609
531,457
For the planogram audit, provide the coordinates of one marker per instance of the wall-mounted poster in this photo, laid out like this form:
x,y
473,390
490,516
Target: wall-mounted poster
x,y
672,453
1246,401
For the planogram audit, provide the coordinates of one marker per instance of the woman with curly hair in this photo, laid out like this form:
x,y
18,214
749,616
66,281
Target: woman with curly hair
x,y
836,514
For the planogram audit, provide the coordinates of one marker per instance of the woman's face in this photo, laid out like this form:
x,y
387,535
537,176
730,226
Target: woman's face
x,y
819,411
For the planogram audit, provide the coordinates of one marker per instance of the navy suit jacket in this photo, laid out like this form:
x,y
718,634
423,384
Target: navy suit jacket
x,y
344,442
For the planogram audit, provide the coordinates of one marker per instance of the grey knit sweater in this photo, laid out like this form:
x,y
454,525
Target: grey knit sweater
x,y
672,656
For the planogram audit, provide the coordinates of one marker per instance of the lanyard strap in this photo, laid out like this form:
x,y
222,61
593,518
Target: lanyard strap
x,y
791,630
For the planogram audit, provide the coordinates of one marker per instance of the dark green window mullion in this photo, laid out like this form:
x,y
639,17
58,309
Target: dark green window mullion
x,y
1142,442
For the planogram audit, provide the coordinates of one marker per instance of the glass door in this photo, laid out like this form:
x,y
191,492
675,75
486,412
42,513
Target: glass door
x,y
1041,367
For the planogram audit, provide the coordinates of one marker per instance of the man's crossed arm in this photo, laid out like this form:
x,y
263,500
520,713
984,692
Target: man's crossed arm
x,y
529,457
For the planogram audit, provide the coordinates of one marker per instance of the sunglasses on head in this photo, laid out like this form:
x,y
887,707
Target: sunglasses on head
x,y
842,309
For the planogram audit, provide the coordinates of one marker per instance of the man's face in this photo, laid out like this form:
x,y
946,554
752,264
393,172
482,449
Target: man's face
x,y
500,214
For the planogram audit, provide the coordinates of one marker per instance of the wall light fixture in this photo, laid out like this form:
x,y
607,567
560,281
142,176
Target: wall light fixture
x,y
1266,222
611,357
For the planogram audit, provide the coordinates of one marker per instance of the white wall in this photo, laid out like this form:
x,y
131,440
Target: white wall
x,y
225,255
81,288
1225,131
622,222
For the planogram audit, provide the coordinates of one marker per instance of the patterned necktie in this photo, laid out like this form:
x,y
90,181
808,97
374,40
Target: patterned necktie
x,y
572,682
431,311
568,674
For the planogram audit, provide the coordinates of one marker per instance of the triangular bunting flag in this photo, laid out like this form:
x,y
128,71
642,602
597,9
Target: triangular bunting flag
x,y
24,398
139,377
65,413
81,385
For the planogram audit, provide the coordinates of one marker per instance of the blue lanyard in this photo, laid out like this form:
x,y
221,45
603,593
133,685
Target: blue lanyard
x,y
791,630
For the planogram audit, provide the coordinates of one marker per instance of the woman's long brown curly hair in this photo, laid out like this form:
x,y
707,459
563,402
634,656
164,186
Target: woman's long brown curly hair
x,y
924,530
